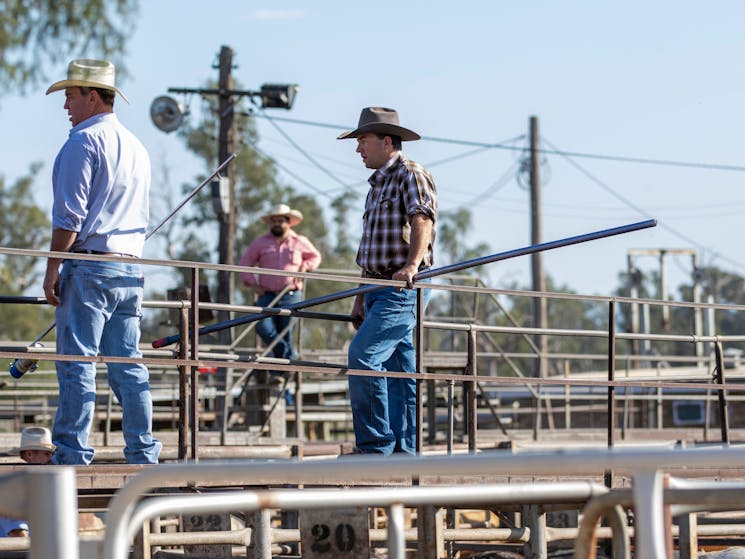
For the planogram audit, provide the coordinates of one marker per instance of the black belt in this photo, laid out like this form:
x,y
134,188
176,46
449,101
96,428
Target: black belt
x,y
386,275
290,292
101,253
378,275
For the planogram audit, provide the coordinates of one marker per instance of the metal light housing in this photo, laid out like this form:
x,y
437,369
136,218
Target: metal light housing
x,y
278,96
166,113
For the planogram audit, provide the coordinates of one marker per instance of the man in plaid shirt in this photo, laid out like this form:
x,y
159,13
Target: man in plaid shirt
x,y
397,243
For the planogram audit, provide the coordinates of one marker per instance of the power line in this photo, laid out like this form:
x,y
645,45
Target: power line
x,y
305,154
641,211
290,173
553,151
715,209
497,185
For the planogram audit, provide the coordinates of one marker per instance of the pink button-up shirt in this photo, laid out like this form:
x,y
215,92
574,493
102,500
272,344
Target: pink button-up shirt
x,y
294,254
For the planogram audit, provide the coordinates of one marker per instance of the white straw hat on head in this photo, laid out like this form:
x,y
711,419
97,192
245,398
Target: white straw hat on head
x,y
87,72
35,438
284,210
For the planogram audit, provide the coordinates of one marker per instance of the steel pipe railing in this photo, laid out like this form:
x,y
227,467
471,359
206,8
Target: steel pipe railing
x,y
123,505
392,498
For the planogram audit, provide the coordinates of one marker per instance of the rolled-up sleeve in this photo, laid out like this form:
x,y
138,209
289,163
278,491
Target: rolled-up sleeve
x,y
71,180
311,256
419,194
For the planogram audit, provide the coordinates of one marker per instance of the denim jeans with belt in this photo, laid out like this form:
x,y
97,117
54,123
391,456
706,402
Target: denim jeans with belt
x,y
99,312
268,328
384,409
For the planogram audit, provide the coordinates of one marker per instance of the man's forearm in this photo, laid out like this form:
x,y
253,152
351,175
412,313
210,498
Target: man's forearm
x,y
421,235
62,241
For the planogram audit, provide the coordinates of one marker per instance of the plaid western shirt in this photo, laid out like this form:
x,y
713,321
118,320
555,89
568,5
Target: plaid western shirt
x,y
397,191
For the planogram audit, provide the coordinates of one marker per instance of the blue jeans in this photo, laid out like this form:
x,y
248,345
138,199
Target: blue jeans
x,y
268,328
99,312
384,409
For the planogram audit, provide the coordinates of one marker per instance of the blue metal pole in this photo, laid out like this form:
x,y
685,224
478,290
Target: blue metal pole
x,y
431,273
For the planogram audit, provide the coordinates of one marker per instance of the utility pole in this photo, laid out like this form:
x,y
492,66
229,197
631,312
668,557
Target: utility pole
x,y
226,140
539,281
167,115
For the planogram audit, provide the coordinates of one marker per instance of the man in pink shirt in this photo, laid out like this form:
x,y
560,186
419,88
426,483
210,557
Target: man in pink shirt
x,y
280,249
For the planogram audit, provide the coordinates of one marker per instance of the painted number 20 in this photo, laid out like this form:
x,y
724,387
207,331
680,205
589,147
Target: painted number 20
x,y
343,538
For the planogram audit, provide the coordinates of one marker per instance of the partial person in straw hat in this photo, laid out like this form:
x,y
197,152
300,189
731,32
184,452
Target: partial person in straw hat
x,y
36,445
101,184
36,448
397,243
280,248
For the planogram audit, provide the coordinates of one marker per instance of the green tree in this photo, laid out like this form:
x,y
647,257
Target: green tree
x,y
724,288
452,229
36,35
22,225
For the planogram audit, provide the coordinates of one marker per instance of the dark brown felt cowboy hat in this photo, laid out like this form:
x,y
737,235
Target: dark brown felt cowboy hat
x,y
381,121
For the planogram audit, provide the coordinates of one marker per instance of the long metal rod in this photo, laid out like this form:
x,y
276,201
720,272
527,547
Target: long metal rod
x,y
193,193
434,272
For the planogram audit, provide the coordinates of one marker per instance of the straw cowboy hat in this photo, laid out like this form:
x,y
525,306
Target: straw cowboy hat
x,y
35,438
86,72
382,121
284,210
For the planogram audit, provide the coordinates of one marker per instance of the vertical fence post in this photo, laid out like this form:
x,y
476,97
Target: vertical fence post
x,y
53,512
419,333
430,537
194,400
649,524
611,389
451,415
471,391
723,409
535,520
396,534
567,398
183,386
688,537
263,532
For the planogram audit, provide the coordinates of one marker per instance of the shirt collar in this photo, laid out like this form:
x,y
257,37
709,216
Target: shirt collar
x,y
95,119
386,169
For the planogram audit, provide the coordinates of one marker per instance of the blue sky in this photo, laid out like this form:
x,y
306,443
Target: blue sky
x,y
661,80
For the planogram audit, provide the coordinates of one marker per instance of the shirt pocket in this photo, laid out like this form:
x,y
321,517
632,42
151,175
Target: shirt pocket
x,y
390,203
296,257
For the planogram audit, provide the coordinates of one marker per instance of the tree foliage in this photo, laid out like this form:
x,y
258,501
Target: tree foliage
x,y
36,35
22,225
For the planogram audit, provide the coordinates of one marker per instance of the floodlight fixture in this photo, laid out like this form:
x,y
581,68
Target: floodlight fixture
x,y
278,96
166,113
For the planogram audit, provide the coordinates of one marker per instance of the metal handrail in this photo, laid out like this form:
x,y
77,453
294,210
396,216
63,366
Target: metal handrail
x,y
645,465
